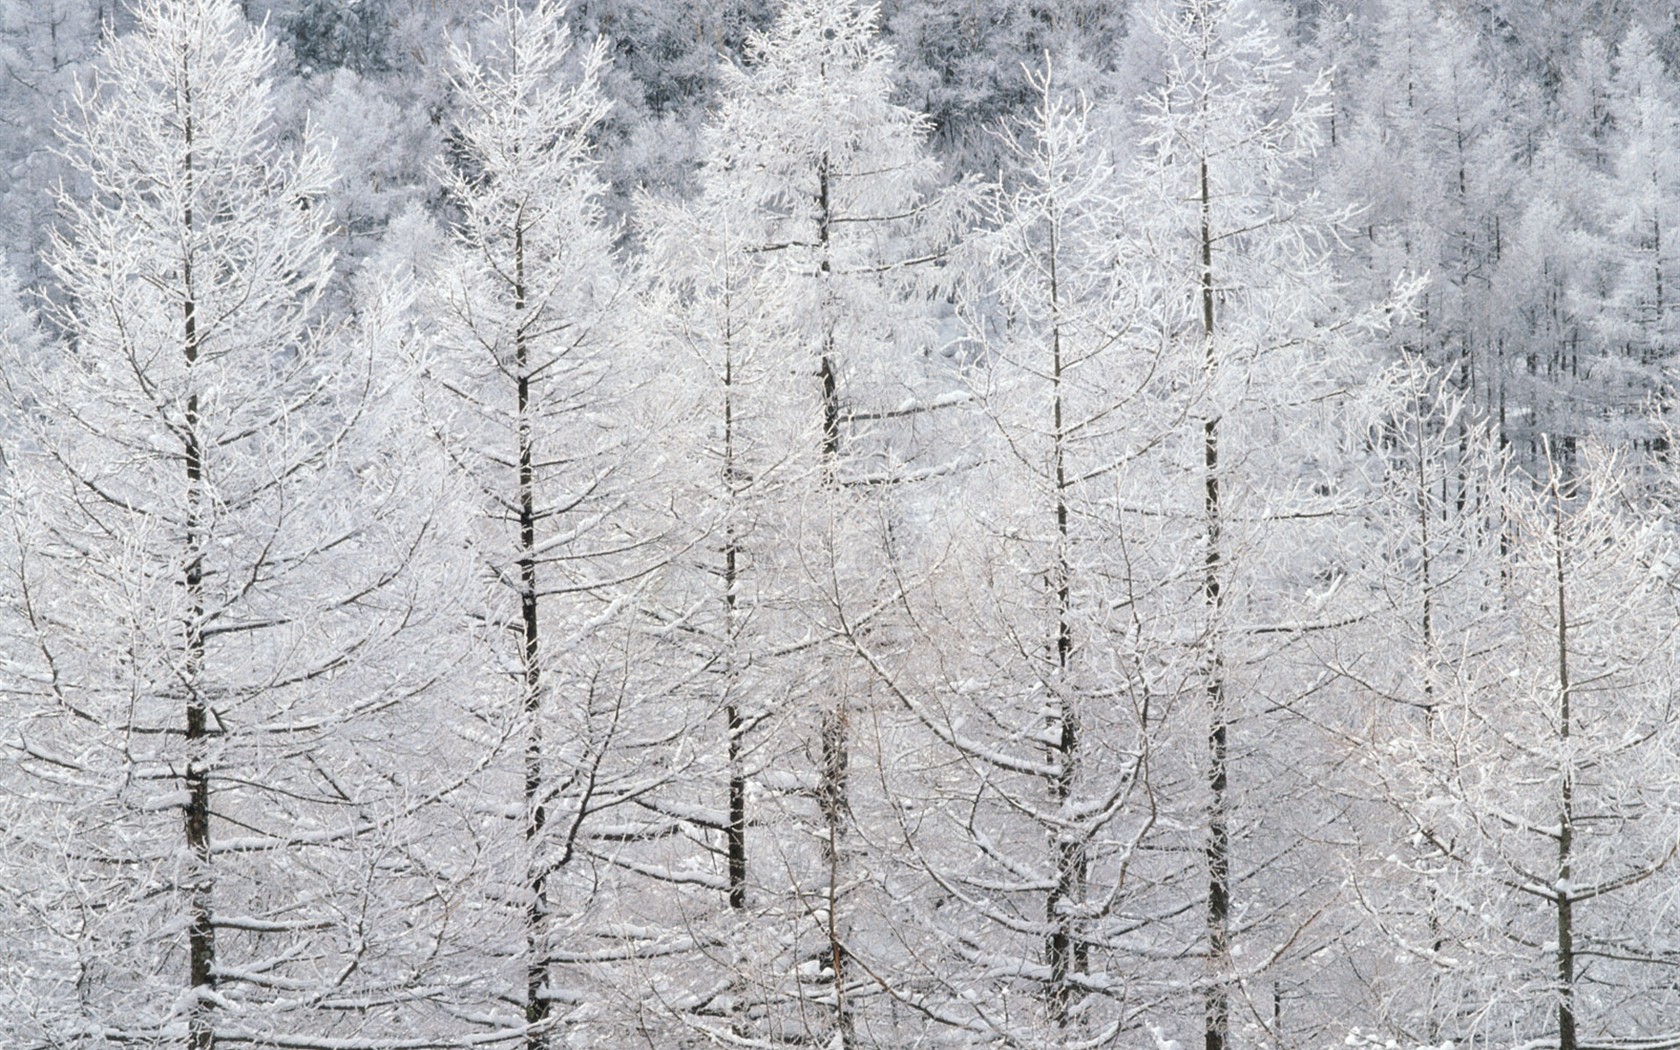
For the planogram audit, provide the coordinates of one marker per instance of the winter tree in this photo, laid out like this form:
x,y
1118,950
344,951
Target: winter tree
x,y
1426,159
1637,317
789,292
1532,785
1018,661
42,46
528,394
1261,476
218,572
1430,574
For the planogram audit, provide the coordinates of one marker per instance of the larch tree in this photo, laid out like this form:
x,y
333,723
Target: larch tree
x,y
1262,475
218,575
1637,317
528,391
969,66
1551,366
43,45
790,293
1021,658
1426,158
1430,575
1562,377
1069,404
727,328
1533,786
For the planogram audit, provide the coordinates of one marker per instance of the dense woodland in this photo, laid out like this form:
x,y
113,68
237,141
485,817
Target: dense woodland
x,y
782,523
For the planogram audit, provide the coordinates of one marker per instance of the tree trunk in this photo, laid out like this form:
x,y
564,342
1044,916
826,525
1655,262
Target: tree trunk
x,y
1218,847
537,1005
201,931
1563,892
1426,555
735,832
1066,953
835,730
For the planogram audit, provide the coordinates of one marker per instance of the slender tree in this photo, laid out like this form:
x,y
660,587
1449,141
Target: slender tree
x,y
214,577
1267,466
790,288
1556,867
1427,158
729,330
1021,661
1432,579
528,394
42,47
1638,315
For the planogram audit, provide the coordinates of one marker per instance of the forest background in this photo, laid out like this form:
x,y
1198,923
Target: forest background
x,y
1056,524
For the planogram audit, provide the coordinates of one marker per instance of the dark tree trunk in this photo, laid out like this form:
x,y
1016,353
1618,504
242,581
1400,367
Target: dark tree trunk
x,y
1218,847
1066,953
1566,795
201,930
537,1003
835,730
735,832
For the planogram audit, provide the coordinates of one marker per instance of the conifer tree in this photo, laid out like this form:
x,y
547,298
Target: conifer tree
x,y
1023,659
1530,787
1265,468
790,291
218,577
529,392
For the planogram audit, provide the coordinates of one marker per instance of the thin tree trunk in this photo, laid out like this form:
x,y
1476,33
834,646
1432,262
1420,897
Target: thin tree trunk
x,y
1218,847
735,726
1566,796
537,1004
1066,953
201,930
835,731
735,832
1426,557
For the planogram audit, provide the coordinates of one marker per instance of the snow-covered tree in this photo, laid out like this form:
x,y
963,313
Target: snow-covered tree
x,y
1532,789
1019,661
383,141
528,393
1426,159
218,574
1430,574
788,294
329,34
1638,319
1261,475
968,66
42,47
